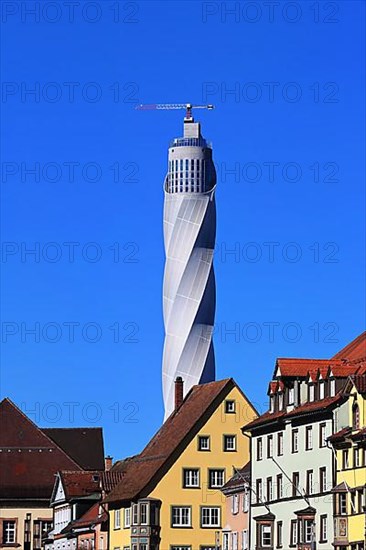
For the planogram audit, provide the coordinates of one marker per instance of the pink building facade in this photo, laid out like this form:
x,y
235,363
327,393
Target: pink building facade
x,y
235,534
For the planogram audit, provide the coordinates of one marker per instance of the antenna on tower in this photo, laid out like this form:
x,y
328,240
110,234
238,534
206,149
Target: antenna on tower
x,y
168,106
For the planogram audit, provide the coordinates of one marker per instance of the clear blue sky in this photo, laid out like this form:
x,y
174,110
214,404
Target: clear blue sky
x,y
293,131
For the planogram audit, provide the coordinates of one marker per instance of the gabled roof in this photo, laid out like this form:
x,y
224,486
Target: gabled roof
x,y
145,470
359,382
84,445
299,367
79,483
238,480
30,458
354,350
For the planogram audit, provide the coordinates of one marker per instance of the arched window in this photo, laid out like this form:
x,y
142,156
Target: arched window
x,y
355,417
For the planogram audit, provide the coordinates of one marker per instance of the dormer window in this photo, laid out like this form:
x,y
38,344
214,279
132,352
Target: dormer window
x,y
280,401
272,403
355,417
311,392
291,396
332,387
321,389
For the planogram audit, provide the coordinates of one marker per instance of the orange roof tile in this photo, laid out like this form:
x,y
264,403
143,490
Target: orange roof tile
x,y
354,350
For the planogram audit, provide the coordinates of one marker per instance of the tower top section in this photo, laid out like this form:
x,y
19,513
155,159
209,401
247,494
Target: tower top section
x,y
169,106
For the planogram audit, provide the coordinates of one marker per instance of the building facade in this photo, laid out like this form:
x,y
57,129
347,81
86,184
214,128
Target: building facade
x,y
350,491
292,472
170,497
189,282
235,533
29,459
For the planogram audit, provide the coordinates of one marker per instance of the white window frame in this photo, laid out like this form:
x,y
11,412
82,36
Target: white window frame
x,y
332,388
9,533
244,539
235,504
229,448
225,541
117,519
263,529
127,518
323,528
259,448
234,540
280,443
311,392
201,439
246,497
211,509
309,438
181,523
214,477
191,478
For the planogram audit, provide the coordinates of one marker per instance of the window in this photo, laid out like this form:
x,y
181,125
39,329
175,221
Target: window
x,y
291,396
180,547
295,440
306,526
229,442
127,518
230,406
356,458
117,519
345,461
311,392
135,514
343,504
259,448
293,532
279,534
143,513
216,478
225,541
309,438
259,491
235,504
321,389
244,540
355,417
265,535
309,482
9,531
280,401
332,387
246,501
269,446
323,479
234,538
280,443
269,489
279,486
295,484
322,435
181,516
323,528
271,403
191,477
210,516
203,442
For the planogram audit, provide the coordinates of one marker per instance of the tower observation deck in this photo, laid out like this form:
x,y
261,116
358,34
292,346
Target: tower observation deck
x,y
189,282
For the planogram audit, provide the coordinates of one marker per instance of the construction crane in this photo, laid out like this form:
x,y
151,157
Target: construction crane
x,y
165,106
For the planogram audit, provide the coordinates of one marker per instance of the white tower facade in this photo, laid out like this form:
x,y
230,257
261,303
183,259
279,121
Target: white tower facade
x,y
189,282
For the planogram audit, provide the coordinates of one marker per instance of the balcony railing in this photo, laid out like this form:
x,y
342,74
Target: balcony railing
x,y
190,142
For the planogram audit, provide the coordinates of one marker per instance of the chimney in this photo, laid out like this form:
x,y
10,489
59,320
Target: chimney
x,y
108,463
178,392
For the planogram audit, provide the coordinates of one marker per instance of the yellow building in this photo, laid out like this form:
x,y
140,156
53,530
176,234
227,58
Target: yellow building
x,y
350,491
169,497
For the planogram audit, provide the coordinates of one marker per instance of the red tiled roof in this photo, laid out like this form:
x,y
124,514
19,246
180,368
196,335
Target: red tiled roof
x,y
238,479
298,367
340,434
147,468
84,445
354,350
306,408
29,459
79,483
91,517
